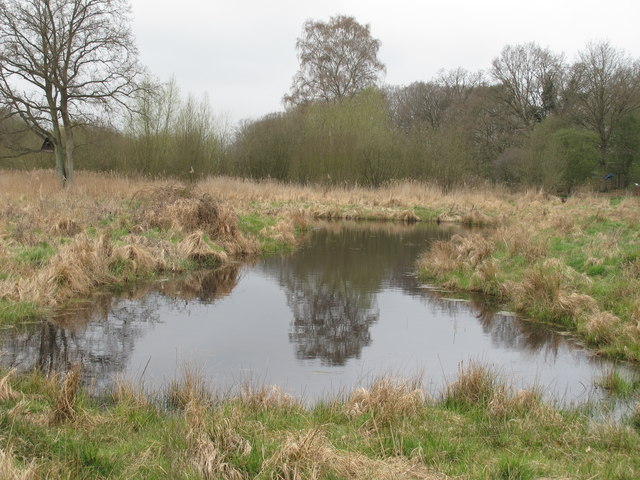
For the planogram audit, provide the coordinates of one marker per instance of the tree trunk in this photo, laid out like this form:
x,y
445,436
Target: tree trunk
x,y
69,159
60,165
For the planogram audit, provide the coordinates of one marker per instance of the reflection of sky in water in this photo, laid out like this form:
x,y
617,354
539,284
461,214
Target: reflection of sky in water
x,y
331,316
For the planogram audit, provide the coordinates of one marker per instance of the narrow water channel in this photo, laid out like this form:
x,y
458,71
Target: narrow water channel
x,y
341,310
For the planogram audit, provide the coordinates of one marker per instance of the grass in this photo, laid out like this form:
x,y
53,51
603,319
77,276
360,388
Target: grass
x,y
390,430
12,312
573,264
616,384
56,246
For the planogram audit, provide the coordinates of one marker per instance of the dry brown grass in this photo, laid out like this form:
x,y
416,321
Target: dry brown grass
x,y
211,440
6,392
9,470
459,253
309,455
267,397
190,387
602,328
125,392
387,400
506,404
549,286
476,385
66,394
185,210
75,270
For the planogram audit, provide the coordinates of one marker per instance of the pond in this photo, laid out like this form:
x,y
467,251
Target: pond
x,y
343,309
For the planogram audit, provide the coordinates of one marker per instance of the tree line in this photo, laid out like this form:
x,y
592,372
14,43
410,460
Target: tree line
x,y
531,119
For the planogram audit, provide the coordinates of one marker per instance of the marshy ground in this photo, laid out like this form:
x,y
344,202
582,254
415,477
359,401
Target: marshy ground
x,y
575,264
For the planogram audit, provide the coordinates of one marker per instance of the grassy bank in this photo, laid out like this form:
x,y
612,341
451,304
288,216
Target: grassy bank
x,y
573,264
476,429
108,230
57,246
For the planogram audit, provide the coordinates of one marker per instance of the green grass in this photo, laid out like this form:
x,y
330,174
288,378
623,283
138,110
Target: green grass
x,y
254,224
427,214
129,437
12,312
36,256
617,385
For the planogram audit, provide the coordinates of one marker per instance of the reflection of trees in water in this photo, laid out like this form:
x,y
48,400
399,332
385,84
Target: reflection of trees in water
x,y
101,337
204,286
505,330
331,287
330,322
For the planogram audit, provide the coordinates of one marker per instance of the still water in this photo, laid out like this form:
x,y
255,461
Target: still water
x,y
341,310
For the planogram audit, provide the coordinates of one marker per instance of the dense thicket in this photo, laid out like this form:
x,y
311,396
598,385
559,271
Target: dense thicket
x,y
532,119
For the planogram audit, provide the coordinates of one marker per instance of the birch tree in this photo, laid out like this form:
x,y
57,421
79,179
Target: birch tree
x,y
337,59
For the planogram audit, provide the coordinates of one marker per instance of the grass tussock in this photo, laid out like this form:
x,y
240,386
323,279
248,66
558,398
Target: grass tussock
x,y
183,209
189,388
268,397
212,443
66,395
9,470
386,400
6,392
311,455
475,385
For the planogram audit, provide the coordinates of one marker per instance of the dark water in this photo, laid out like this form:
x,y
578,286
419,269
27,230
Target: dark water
x,y
335,314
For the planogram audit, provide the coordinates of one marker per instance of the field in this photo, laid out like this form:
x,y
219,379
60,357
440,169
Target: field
x,y
573,263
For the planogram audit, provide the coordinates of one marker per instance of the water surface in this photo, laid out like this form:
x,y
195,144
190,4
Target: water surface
x,y
336,313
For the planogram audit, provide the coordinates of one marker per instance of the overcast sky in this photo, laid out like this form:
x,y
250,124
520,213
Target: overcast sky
x,y
241,53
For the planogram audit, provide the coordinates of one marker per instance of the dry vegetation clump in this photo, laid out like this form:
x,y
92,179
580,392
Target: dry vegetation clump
x,y
310,455
521,240
602,328
185,210
267,397
505,404
124,392
191,387
386,400
75,270
462,253
9,470
196,247
139,254
476,385
66,394
6,392
211,441
547,289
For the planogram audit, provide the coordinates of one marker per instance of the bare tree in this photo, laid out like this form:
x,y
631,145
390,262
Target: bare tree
x,y
460,82
62,64
337,59
418,104
604,89
531,78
